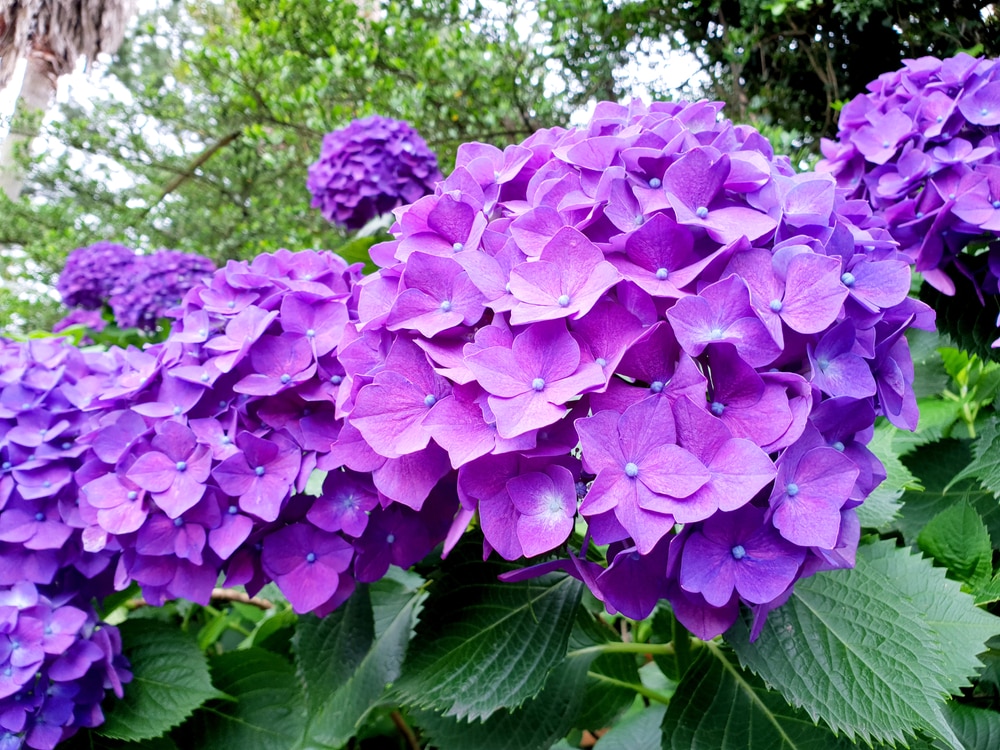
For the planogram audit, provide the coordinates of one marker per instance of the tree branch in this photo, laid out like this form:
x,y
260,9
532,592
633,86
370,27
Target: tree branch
x,y
188,173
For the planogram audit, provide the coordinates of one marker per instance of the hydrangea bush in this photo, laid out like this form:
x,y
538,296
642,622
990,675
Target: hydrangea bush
x,y
923,148
92,273
368,168
642,357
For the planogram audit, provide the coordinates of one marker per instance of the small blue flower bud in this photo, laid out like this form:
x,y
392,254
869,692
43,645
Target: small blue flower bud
x,y
132,495
204,377
838,446
717,408
775,305
847,278
563,300
259,471
39,516
739,552
390,538
178,521
430,399
662,274
601,362
457,247
446,306
336,379
311,557
701,212
631,470
181,465
792,489
655,182
285,378
232,510
310,333
656,386
538,384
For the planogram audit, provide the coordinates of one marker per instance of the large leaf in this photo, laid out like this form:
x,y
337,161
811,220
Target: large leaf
x,y
873,651
268,712
345,668
977,728
957,539
170,680
719,706
985,465
611,678
483,645
534,726
935,465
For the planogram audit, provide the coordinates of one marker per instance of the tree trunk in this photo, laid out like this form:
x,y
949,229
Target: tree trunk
x,y
38,90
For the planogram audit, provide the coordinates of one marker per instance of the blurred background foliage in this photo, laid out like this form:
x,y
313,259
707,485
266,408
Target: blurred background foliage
x,y
206,119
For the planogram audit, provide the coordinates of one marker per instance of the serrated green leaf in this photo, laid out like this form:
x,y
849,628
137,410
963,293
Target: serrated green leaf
x,y
957,539
719,706
345,668
937,417
875,650
610,676
882,506
987,591
640,730
985,465
536,725
935,465
977,728
482,644
268,712
170,679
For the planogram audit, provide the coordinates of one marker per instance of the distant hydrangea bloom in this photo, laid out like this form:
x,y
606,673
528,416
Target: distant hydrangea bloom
x,y
923,147
368,168
155,285
93,272
650,323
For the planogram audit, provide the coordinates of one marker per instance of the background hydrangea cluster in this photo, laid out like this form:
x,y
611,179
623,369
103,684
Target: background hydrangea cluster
x,y
715,332
140,289
368,168
56,660
923,147
208,441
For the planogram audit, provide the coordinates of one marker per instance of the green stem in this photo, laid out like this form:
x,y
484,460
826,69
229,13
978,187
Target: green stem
x,y
617,647
642,690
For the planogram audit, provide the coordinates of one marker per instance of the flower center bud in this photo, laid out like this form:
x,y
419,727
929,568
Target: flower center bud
x,y
792,489
310,333
662,274
132,495
181,465
232,510
538,384
701,212
390,538
655,183
639,220
178,522
563,300
226,440
885,144
231,304
457,247
430,399
716,334
259,471
336,379
446,306
717,408
311,557
631,470
776,305
204,377
285,378
601,362
848,279
738,552
39,516
838,446
656,386
178,411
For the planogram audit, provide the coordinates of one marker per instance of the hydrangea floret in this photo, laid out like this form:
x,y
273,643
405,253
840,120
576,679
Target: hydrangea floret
x,y
368,168
155,285
922,146
642,329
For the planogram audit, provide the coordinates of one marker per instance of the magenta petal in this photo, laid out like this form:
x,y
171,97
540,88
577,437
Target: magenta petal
x,y
153,471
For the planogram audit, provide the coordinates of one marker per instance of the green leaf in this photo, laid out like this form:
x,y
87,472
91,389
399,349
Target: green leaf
x,y
977,728
987,591
610,678
483,644
536,725
935,465
719,706
666,629
957,539
268,712
873,651
170,680
640,730
937,417
345,668
985,465
882,506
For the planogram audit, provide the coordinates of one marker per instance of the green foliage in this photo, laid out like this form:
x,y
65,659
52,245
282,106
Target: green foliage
x,y
873,651
170,680
882,506
957,539
719,706
482,644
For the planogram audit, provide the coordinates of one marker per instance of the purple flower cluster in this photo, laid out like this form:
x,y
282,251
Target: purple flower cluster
x,y
207,443
56,661
155,285
91,274
650,326
923,146
369,168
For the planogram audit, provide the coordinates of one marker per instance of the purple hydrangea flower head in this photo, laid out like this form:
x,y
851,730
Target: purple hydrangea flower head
x,y
155,285
656,306
923,147
368,168
92,274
